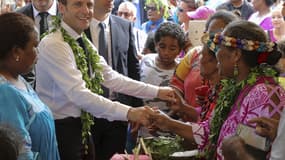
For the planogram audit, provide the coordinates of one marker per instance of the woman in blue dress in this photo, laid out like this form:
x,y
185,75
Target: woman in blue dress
x,y
20,106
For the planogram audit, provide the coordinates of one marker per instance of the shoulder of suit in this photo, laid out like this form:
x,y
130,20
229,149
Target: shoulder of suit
x,y
27,9
118,19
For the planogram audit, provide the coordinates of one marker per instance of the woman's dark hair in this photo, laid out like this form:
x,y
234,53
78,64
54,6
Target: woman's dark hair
x,y
172,30
269,3
10,142
149,43
225,16
15,29
250,31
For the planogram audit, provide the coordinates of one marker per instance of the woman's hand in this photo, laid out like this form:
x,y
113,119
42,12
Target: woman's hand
x,y
266,127
161,120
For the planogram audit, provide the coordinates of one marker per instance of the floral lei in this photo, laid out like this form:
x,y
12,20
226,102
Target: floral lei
x,y
226,99
93,83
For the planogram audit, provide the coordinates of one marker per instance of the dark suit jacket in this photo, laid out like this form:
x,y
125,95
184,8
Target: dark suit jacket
x,y
124,53
28,11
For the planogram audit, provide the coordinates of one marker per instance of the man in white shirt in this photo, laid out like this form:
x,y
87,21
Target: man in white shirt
x,y
61,86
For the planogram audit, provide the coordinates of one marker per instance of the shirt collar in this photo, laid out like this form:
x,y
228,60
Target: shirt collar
x,y
70,31
52,10
106,21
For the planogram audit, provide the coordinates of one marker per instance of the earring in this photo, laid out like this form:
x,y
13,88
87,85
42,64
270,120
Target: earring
x,y
17,59
235,70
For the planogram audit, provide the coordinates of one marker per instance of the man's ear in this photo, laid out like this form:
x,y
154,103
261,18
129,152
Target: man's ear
x,y
61,8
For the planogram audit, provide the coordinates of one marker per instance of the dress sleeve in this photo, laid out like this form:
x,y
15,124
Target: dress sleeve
x,y
263,100
13,113
201,132
182,70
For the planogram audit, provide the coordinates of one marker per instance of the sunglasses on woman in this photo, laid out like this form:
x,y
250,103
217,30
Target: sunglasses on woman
x,y
152,8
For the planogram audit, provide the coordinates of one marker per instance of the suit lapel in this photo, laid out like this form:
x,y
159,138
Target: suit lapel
x,y
30,11
114,28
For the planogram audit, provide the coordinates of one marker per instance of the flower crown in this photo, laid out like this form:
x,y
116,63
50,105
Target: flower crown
x,y
264,48
212,40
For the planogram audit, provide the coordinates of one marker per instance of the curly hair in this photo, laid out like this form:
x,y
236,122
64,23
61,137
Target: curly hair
x,y
10,142
170,29
15,30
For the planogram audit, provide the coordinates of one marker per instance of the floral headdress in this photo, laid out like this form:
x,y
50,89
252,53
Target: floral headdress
x,y
264,48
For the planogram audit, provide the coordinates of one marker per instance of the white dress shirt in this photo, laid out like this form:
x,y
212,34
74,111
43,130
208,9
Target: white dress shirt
x,y
51,11
61,87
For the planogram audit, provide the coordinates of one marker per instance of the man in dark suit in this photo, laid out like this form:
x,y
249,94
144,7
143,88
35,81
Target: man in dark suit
x,y
41,11
121,54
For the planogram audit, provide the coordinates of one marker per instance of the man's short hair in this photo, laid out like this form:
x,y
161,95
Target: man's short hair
x,y
130,6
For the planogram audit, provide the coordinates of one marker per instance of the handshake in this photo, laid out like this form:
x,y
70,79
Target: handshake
x,y
148,116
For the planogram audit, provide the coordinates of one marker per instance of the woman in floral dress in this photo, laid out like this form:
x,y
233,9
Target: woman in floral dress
x,y
249,89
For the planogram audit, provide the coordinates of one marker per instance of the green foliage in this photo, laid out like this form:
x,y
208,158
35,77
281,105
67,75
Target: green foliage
x,y
227,98
161,147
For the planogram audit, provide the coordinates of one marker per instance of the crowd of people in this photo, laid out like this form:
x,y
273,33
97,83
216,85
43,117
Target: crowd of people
x,y
81,79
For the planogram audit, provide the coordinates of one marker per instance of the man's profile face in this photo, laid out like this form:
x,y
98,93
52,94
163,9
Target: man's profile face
x,y
42,5
77,14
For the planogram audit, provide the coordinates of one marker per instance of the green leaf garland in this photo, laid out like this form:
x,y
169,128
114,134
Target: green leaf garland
x,y
227,97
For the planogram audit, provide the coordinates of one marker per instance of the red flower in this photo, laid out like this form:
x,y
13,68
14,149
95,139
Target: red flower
x,y
262,57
